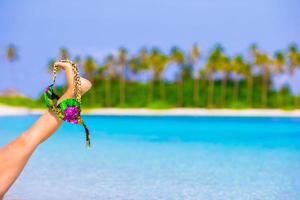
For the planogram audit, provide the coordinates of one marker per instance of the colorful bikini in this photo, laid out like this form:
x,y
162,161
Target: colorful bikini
x,y
68,109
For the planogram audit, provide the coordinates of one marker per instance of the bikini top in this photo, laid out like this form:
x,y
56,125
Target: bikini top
x,y
69,109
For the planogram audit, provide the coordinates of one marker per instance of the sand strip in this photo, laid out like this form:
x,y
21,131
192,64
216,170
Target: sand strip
x,y
12,111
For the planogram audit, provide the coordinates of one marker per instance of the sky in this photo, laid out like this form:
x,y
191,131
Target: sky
x,y
97,27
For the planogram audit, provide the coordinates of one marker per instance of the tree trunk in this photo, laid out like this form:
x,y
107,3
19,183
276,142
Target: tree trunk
x,y
179,92
203,86
108,91
93,90
210,92
296,102
235,91
94,94
264,97
279,99
250,90
162,90
122,86
196,92
150,90
223,91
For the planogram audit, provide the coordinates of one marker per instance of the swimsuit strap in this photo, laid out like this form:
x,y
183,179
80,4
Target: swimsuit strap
x,y
76,79
76,96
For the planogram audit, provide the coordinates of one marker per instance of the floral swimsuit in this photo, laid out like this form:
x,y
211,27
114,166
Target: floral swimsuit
x,y
68,109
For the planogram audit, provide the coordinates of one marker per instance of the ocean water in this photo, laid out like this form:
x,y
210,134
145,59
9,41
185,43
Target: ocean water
x,y
201,158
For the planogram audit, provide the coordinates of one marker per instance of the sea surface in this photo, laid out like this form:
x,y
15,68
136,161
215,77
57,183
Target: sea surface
x,y
136,158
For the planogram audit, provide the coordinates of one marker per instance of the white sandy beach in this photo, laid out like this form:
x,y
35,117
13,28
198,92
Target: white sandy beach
x,y
11,111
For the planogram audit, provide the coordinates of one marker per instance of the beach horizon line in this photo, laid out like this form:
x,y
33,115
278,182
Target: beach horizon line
x,y
253,112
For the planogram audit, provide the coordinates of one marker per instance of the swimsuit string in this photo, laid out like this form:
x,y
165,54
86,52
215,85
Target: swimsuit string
x,y
87,136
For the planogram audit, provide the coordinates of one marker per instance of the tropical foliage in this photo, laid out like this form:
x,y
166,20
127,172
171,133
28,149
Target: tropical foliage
x,y
201,79
217,81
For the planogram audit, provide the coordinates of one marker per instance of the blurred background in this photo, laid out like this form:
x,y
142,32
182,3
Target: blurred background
x,y
156,54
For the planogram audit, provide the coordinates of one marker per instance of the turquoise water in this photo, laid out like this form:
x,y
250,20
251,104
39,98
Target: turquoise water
x,y
209,158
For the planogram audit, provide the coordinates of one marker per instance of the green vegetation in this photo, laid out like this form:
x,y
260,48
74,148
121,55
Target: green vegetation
x,y
137,96
21,102
195,85
248,90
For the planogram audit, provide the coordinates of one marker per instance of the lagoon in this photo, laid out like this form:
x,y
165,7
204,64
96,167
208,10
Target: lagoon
x,y
137,157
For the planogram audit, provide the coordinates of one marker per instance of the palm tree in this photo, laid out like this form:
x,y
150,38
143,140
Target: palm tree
x,y
247,73
89,67
225,67
108,65
134,64
238,67
11,56
11,53
177,57
122,61
253,49
294,63
278,63
157,62
139,62
250,83
292,55
195,56
298,65
213,61
263,61
203,75
144,59
64,54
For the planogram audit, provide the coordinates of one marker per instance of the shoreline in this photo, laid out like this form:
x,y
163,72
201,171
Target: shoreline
x,y
19,111
194,112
